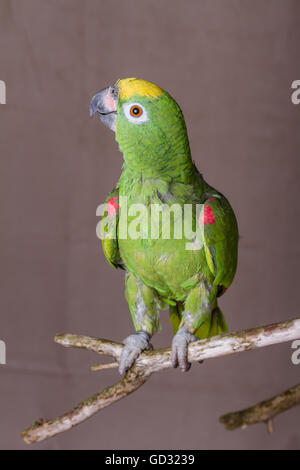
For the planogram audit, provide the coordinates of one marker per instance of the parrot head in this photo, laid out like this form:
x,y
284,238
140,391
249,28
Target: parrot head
x,y
148,123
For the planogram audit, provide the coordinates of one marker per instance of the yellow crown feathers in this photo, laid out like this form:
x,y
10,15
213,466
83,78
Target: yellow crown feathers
x,y
129,87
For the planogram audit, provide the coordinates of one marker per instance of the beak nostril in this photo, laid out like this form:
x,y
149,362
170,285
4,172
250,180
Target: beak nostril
x,y
113,91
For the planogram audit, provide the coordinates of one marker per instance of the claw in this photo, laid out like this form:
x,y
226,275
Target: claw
x,y
179,354
134,345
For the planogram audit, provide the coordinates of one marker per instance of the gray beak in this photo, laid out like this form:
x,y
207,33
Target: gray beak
x,y
104,104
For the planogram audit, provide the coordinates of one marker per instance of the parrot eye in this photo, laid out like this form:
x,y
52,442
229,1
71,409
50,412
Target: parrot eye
x,y
135,113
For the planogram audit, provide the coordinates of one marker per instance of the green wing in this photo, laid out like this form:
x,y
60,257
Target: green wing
x,y
109,230
220,239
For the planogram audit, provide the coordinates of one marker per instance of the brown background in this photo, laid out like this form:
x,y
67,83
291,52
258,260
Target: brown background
x,y
230,65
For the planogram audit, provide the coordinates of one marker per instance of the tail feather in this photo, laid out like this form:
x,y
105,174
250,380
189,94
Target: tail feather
x,y
215,324
175,317
218,323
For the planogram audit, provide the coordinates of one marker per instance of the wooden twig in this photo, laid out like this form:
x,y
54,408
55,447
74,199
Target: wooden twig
x,y
110,365
263,412
148,363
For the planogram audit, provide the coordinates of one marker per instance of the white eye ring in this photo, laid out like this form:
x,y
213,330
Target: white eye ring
x,y
140,117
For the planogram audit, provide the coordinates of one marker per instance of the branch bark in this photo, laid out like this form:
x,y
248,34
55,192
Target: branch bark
x,y
148,363
263,412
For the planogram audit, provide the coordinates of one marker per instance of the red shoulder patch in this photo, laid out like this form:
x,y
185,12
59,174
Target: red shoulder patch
x,y
207,216
112,206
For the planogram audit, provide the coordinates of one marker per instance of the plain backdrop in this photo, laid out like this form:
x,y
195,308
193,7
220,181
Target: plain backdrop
x,y
230,65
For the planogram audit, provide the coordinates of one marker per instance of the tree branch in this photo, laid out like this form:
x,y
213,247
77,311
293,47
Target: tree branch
x,y
263,412
148,363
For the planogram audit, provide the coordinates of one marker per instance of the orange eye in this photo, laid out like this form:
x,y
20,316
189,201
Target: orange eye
x,y
136,111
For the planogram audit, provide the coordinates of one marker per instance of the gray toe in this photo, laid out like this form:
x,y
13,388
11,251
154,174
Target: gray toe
x,y
134,345
179,355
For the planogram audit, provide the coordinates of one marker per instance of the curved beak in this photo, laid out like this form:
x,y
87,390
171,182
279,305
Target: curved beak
x,y
104,103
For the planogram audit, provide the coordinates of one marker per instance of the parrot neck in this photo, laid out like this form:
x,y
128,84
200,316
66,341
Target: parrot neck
x,y
181,173
176,165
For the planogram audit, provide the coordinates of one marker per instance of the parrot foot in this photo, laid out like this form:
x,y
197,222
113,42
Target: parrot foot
x,y
134,345
179,354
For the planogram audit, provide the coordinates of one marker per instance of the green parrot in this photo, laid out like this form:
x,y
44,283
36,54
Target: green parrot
x,y
165,268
